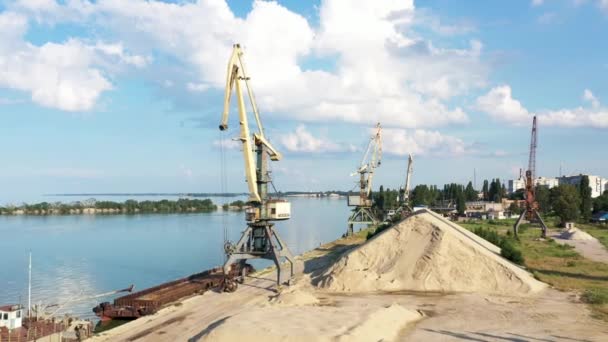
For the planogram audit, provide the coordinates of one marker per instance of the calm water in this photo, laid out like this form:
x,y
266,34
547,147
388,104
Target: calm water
x,y
82,255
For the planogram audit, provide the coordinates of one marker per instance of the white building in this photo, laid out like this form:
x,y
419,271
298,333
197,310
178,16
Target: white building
x,y
597,184
517,184
11,316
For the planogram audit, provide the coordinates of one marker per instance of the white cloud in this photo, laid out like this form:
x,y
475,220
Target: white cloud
x,y
197,87
69,76
422,142
537,2
402,79
588,96
117,50
301,140
500,104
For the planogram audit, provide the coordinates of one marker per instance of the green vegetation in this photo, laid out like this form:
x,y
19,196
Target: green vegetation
x,y
238,205
506,244
586,202
598,295
110,207
566,202
556,264
601,203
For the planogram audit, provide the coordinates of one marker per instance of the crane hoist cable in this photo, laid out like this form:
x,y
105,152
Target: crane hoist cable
x,y
223,190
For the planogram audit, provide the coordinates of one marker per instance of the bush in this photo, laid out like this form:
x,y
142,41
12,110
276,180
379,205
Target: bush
x,y
595,296
507,250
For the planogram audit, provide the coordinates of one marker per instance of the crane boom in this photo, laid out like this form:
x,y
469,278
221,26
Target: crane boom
x,y
236,73
408,176
532,158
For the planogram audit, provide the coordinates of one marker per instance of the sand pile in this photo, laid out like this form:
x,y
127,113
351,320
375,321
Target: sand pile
x,y
575,234
314,323
427,252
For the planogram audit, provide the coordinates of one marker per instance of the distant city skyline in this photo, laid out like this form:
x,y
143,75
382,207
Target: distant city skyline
x,y
125,96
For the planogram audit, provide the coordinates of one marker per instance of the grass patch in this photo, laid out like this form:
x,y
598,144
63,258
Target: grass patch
x,y
560,265
596,296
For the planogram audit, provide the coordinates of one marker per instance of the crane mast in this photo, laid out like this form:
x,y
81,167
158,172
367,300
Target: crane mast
x,y
260,239
405,192
372,159
531,211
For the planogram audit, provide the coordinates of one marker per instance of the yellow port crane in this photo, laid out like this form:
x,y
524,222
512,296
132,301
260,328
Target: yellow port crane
x,y
362,213
404,193
260,239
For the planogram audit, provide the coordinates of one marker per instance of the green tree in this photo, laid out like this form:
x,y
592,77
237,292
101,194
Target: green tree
x,y
470,193
600,203
461,204
586,202
514,208
421,195
566,202
543,197
486,190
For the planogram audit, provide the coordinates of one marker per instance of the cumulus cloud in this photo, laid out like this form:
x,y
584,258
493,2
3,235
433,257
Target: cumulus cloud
x,y
402,79
301,140
588,96
422,142
68,76
500,104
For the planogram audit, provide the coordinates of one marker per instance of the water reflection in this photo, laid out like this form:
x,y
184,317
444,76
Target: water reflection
x,y
87,254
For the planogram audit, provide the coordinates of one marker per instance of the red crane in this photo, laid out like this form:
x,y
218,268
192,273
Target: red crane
x,y
531,213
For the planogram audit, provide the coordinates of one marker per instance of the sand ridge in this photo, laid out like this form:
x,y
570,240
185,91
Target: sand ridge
x,y
426,252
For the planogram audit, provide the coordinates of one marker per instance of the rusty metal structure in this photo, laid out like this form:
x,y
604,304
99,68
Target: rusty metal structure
x,y
148,301
531,213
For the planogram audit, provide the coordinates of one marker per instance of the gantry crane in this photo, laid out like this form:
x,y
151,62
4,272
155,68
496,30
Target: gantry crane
x,y
404,193
362,213
531,212
259,239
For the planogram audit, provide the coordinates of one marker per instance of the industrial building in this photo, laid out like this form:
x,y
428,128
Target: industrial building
x,y
597,184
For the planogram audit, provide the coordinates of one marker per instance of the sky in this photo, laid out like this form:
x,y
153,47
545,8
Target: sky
x,y
126,95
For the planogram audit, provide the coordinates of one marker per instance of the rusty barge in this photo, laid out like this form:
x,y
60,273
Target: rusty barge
x,y
149,301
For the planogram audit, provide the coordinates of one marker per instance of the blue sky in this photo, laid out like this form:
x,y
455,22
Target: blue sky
x,y
126,96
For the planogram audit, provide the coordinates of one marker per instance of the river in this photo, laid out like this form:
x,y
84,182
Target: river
x,y
81,255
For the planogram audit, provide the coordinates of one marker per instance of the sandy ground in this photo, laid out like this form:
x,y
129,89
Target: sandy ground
x,y
303,312
591,249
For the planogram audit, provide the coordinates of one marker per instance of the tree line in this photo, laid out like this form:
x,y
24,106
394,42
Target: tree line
x,y
129,207
568,202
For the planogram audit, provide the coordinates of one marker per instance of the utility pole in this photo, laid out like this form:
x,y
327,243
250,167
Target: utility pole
x,y
29,289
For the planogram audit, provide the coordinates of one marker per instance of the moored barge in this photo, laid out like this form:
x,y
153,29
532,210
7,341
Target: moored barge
x,y
149,301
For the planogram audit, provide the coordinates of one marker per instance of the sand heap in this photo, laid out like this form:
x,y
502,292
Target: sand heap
x,y
575,234
427,252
